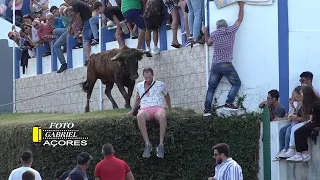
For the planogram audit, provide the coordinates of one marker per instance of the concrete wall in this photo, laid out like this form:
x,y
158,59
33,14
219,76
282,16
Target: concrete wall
x,y
281,170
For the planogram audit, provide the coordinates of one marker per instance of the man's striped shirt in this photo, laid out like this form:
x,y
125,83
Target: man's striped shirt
x,y
228,170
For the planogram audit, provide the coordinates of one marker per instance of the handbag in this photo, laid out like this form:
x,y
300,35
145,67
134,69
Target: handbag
x,y
135,112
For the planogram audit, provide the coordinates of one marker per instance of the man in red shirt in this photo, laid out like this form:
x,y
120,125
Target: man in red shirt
x,y
112,168
44,31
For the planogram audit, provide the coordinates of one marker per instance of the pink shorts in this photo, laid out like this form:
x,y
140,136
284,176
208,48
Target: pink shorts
x,y
152,110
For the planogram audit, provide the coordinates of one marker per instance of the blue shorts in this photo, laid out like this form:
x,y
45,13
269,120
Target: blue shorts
x,y
86,32
134,15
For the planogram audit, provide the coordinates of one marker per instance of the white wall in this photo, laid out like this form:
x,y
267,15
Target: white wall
x,y
255,54
304,34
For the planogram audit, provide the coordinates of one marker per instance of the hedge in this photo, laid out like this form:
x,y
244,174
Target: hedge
x,y
188,144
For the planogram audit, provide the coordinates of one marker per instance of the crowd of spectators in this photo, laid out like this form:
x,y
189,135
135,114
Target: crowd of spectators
x,y
80,19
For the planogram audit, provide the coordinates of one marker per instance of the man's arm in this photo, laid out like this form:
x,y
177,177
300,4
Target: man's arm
x,y
207,38
136,104
241,13
279,114
262,104
168,101
129,176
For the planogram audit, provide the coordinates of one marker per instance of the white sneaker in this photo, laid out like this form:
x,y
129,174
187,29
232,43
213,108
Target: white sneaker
x,y
124,27
295,159
110,24
156,50
306,157
288,154
281,153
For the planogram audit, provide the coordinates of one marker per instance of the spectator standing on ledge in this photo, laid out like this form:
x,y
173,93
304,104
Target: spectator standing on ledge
x,y
227,168
112,168
79,172
28,175
277,110
223,41
132,11
153,16
26,160
83,10
18,12
152,107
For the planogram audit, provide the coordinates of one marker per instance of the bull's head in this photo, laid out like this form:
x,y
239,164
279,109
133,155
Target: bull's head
x,y
130,58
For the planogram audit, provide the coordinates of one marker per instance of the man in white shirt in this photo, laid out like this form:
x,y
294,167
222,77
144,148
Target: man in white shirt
x,y
227,168
26,160
152,107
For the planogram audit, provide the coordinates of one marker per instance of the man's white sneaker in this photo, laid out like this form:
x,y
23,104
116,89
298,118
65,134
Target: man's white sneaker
x,y
295,159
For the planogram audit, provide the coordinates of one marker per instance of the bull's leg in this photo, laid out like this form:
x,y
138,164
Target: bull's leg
x,y
124,94
130,90
91,80
109,87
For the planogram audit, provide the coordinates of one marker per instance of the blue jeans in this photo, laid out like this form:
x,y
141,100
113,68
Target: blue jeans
x,y
86,32
94,21
195,16
284,136
217,72
61,41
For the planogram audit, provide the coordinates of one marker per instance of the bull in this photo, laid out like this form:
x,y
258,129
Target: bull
x,y
119,66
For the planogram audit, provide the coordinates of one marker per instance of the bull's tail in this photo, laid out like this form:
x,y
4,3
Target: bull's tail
x,y
85,86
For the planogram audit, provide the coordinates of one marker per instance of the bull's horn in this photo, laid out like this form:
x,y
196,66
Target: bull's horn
x,y
115,57
143,51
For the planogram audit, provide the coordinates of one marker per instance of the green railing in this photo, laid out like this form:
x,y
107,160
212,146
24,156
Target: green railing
x,y
266,143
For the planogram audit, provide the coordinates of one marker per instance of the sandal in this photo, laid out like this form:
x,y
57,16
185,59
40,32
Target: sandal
x,y
176,45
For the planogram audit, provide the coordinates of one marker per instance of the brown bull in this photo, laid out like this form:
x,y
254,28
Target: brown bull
x,y
118,66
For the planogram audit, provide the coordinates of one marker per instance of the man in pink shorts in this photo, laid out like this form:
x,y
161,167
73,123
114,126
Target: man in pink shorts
x,y
152,107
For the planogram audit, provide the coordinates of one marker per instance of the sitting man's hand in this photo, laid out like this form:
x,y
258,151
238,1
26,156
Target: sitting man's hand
x,y
130,113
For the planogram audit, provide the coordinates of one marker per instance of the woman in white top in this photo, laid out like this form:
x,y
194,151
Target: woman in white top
x,y
39,6
30,33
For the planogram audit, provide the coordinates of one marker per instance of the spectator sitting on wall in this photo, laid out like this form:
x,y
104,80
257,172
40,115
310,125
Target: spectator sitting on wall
x,y
55,11
295,114
54,22
44,32
32,36
18,12
277,110
114,13
153,16
65,19
83,162
223,40
152,108
26,160
75,27
94,24
112,168
83,10
306,79
28,19
28,175
311,108
39,6
132,12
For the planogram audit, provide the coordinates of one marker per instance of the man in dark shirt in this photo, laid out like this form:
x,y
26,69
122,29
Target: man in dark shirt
x,y
83,10
79,172
277,110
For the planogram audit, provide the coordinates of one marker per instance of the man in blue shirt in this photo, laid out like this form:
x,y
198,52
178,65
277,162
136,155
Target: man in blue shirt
x,y
79,172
